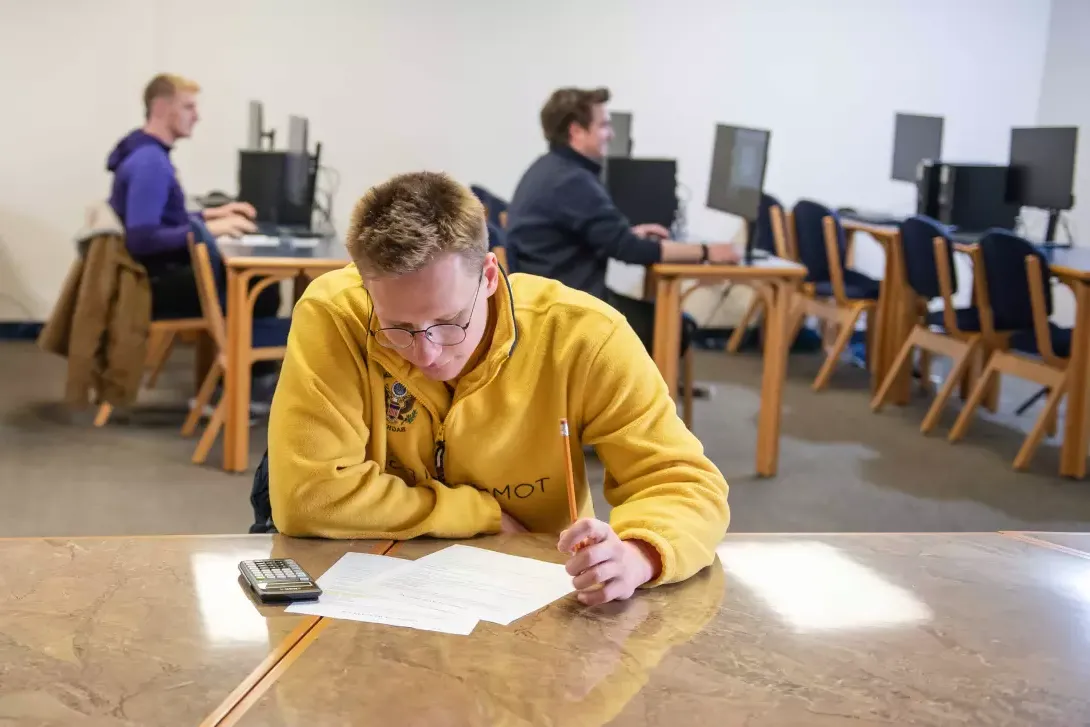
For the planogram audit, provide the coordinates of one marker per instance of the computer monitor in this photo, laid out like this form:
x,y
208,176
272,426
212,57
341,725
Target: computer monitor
x,y
297,164
297,134
265,181
255,133
915,138
1042,161
644,190
620,145
739,160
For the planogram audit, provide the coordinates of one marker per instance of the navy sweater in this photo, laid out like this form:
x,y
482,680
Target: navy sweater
x,y
149,201
562,224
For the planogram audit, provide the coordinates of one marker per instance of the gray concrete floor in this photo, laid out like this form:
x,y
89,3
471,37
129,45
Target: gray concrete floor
x,y
842,468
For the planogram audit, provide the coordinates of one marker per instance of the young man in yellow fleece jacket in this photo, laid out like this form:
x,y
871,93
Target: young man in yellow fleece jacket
x,y
422,393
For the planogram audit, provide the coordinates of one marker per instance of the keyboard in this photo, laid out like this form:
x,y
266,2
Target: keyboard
x,y
271,229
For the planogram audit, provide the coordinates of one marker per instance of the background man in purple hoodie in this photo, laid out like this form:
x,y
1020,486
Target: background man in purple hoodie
x,y
150,202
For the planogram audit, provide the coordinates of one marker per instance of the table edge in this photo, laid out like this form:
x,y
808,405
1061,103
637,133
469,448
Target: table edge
x,y
1026,536
265,674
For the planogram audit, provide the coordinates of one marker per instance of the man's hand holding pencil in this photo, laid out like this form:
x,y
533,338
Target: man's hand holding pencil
x,y
604,567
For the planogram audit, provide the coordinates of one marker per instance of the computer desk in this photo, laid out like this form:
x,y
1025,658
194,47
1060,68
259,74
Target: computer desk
x,y
273,263
783,278
782,629
894,313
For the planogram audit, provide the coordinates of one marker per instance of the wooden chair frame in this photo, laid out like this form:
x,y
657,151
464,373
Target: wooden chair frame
x,y
217,329
839,312
1050,371
960,346
162,336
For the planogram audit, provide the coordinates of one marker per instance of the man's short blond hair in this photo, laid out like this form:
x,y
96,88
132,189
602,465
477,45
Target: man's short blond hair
x,y
405,223
165,85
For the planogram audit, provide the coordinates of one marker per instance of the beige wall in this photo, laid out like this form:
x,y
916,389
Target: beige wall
x,y
456,86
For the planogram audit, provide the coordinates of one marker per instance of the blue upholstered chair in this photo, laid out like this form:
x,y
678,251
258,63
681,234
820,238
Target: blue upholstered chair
x,y
496,209
838,296
1015,295
930,273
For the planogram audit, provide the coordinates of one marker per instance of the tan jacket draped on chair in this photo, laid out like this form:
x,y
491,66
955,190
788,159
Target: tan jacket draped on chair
x,y
100,322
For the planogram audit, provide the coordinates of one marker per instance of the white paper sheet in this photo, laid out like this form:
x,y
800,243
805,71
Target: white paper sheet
x,y
350,591
490,586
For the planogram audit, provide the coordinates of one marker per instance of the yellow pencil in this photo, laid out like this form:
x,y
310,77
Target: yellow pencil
x,y
572,508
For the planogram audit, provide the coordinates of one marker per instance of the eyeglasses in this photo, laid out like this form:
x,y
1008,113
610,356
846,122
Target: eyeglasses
x,y
442,334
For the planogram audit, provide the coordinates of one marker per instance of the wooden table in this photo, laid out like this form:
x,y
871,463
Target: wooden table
x,y
1072,266
274,264
804,630
783,278
807,630
894,314
140,631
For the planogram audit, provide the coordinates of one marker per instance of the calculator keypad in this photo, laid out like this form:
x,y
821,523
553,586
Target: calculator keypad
x,y
271,571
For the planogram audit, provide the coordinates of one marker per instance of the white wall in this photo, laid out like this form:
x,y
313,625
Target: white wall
x,y
390,87
1065,95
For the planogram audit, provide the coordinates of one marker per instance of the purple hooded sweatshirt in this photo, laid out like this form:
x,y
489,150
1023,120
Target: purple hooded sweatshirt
x,y
148,199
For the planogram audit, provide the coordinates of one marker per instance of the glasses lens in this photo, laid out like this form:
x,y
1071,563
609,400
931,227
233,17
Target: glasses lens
x,y
394,337
446,334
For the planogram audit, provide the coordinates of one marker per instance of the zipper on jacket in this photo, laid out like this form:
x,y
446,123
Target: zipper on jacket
x,y
440,454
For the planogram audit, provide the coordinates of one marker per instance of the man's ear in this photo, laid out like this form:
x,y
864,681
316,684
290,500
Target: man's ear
x,y
492,276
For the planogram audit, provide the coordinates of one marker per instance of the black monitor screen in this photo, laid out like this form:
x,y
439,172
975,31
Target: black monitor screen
x,y
915,138
739,158
1043,166
621,144
644,190
265,181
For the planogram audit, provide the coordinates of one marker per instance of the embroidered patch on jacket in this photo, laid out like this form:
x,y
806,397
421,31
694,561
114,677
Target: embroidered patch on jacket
x,y
400,406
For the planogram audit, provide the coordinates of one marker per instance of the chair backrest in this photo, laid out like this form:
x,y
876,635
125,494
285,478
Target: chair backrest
x,y
810,239
206,291
1003,255
918,249
493,205
766,239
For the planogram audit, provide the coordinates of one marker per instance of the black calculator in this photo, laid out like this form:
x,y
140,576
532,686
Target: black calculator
x,y
279,580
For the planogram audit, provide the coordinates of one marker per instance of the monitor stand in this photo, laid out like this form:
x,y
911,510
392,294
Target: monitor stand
x,y
752,253
1050,231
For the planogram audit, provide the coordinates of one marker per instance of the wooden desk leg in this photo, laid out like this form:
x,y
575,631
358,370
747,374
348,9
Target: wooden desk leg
x,y
1077,422
299,285
236,379
882,318
666,346
781,300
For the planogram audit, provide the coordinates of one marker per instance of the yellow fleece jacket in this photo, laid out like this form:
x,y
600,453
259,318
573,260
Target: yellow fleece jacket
x,y
361,445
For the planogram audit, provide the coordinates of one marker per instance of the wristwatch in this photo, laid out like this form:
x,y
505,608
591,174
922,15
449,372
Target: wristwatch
x,y
703,253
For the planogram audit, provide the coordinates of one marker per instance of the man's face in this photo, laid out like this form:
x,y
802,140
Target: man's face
x,y
182,110
442,292
593,141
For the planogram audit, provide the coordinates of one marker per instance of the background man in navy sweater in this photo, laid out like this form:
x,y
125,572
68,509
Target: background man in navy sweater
x,y
562,224
150,202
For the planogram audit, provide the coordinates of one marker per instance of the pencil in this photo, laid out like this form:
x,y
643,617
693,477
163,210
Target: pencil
x,y
572,509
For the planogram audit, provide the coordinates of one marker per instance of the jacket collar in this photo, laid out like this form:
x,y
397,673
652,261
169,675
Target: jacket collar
x,y
566,152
